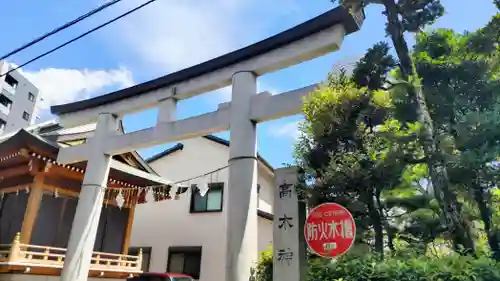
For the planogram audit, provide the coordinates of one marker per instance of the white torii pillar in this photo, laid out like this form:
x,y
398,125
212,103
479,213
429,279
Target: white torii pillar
x,y
88,211
241,237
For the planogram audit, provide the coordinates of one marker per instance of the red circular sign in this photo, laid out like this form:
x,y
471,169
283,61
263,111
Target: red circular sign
x,y
330,230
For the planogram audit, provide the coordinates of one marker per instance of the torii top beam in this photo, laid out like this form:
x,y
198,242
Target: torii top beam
x,y
316,37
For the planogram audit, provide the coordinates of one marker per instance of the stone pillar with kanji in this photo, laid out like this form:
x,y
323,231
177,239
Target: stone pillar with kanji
x,y
289,246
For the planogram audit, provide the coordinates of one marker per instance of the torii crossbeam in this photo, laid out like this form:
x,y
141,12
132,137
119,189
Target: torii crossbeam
x,y
314,38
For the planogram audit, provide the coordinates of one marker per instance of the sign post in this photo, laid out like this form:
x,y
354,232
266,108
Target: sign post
x,y
289,246
330,230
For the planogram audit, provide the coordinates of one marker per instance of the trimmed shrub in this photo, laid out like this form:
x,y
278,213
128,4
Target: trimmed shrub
x,y
367,268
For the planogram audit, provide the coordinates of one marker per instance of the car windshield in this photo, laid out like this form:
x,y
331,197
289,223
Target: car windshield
x,y
181,279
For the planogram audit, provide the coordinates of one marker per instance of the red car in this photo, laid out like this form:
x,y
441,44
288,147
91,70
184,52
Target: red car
x,y
150,276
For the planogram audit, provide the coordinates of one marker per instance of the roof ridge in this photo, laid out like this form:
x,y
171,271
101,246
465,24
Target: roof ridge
x,y
216,139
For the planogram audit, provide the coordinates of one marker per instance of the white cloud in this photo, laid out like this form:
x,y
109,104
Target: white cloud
x,y
172,35
264,87
175,34
164,37
287,130
60,86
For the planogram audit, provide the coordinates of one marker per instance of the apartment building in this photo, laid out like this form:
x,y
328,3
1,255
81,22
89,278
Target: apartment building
x,y
18,99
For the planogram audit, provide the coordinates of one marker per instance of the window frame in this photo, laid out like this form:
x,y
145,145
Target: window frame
x,y
26,114
5,101
31,97
193,250
148,250
8,79
194,192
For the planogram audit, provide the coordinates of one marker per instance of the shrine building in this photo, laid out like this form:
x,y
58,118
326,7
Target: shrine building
x,y
38,199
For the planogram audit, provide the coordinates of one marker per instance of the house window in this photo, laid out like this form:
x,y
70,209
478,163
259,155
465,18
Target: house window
x,y
5,101
185,260
210,202
31,97
26,116
146,256
11,81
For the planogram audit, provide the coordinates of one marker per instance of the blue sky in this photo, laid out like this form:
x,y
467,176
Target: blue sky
x,y
170,35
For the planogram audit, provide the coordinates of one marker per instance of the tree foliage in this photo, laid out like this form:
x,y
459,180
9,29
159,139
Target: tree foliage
x,y
365,144
411,16
460,79
356,151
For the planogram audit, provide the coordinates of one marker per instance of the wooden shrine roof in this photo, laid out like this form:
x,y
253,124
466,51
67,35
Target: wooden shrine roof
x,y
19,147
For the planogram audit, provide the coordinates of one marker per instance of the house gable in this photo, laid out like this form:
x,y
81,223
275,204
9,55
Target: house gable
x,y
196,156
180,146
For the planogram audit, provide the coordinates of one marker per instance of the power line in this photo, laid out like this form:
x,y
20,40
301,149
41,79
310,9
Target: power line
x,y
174,183
60,28
79,37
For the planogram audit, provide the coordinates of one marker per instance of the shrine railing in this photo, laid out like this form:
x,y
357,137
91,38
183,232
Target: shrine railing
x,y
19,254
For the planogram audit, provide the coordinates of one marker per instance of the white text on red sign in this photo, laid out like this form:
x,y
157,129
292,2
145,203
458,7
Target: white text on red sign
x,y
330,230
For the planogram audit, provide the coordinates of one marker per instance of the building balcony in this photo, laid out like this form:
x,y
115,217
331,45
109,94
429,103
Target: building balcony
x,y
9,89
42,260
4,110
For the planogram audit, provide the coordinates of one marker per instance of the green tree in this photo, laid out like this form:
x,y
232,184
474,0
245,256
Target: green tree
x,y
406,208
415,216
460,78
351,148
410,16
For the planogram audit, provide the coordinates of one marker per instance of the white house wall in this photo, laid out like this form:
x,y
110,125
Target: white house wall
x,y
161,225
265,234
266,194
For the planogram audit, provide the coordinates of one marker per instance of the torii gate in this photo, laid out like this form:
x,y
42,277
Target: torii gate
x,y
314,38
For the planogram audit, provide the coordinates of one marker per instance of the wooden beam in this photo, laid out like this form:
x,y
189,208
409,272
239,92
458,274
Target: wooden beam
x,y
13,189
65,172
6,155
128,230
61,191
16,171
34,200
